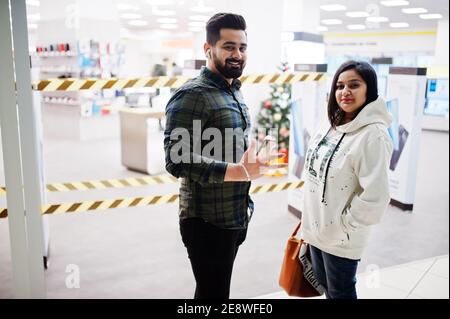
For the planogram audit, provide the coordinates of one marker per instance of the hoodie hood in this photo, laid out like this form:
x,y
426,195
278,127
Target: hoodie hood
x,y
373,113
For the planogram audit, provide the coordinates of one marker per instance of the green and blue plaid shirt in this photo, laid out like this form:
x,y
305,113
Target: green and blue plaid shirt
x,y
203,193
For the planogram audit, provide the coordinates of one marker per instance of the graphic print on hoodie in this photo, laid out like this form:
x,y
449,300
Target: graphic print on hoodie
x,y
320,158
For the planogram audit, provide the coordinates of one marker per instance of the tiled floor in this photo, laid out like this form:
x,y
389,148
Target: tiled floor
x,y
423,279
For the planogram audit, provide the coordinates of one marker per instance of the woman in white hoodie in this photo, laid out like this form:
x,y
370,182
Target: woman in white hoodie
x,y
346,188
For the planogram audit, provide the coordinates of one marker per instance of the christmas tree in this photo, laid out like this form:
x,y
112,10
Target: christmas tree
x,y
274,113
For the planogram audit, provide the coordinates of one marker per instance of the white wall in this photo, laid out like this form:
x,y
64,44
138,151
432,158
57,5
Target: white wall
x,y
442,43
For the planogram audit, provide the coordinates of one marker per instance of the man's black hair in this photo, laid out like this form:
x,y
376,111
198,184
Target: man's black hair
x,y
223,21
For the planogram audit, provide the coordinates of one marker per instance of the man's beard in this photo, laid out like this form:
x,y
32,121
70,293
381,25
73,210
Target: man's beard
x,y
228,71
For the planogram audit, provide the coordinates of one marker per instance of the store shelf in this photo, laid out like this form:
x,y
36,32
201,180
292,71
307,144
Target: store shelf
x,y
56,55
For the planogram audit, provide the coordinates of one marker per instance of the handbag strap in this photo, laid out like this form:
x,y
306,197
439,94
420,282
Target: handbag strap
x,y
296,230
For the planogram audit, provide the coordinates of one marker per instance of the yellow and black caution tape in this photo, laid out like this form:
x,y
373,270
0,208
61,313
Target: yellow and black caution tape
x,y
122,183
284,78
108,183
90,206
73,84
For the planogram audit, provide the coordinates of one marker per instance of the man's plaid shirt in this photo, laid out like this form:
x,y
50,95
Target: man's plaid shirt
x,y
203,192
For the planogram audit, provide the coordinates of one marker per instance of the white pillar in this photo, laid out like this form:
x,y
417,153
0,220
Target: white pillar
x,y
264,26
442,42
264,22
301,16
11,160
31,163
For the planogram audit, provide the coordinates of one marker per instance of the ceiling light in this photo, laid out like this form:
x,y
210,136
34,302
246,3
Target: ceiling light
x,y
169,26
399,25
331,21
394,3
196,29
202,8
357,14
333,7
160,2
431,16
197,24
138,23
199,18
131,16
414,10
167,20
377,19
322,28
32,26
126,7
356,27
163,13
33,3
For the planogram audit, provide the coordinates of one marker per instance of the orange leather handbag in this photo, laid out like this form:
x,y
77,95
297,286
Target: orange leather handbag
x,y
296,276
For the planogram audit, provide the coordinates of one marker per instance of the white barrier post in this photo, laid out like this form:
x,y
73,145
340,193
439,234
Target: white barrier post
x,y
31,163
11,159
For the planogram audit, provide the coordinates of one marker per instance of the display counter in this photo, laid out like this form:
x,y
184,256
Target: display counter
x,y
142,140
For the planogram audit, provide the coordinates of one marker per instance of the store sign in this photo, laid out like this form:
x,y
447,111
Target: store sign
x,y
405,101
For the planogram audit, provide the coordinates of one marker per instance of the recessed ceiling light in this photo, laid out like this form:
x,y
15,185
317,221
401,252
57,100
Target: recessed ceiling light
x,y
163,13
377,19
199,18
322,28
33,3
196,29
167,20
357,14
169,26
32,26
160,2
333,7
126,7
399,25
331,21
197,24
138,23
356,27
394,3
414,10
200,7
131,16
431,16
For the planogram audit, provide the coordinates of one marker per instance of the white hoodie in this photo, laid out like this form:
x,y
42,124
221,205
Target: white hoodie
x,y
345,196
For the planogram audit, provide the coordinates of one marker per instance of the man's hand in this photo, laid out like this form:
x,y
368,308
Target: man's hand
x,y
251,164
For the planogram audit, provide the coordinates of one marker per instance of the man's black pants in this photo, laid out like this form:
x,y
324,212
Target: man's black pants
x,y
212,251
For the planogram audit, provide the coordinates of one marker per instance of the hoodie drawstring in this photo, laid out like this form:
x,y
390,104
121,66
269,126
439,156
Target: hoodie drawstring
x,y
328,166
